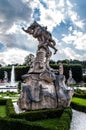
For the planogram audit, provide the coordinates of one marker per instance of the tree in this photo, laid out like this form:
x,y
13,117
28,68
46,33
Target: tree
x,y
29,60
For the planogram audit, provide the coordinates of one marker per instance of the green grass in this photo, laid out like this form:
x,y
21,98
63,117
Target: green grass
x,y
51,123
2,111
13,96
79,101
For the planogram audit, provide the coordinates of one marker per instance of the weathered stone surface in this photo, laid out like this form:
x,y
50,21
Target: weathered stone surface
x,y
42,88
37,94
70,80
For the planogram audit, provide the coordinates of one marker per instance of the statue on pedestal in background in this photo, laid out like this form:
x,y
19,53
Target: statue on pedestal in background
x,y
5,80
70,80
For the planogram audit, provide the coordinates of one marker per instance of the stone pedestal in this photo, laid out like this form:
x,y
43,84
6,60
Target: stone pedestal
x,y
37,93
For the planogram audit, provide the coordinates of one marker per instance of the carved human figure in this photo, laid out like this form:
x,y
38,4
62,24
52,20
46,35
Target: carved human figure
x,y
60,69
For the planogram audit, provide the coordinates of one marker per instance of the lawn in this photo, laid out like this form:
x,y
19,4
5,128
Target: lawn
x,y
79,101
52,123
2,111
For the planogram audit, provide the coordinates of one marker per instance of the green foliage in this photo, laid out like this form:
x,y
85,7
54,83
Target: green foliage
x,y
39,114
2,110
9,108
80,93
52,123
79,101
76,70
29,60
3,101
79,104
62,124
19,71
19,86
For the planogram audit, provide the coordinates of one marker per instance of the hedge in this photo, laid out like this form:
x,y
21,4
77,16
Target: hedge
x,y
38,114
78,107
3,101
9,108
12,124
80,95
65,120
21,70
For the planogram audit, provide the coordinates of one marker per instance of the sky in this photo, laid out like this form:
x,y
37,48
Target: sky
x,y
65,20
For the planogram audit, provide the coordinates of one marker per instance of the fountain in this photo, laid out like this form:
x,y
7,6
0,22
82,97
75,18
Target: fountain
x,y
12,83
9,86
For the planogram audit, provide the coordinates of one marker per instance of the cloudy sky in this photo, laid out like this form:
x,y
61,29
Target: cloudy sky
x,y
65,19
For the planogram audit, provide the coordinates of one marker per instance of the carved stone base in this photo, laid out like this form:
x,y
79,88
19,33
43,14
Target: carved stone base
x,y
37,94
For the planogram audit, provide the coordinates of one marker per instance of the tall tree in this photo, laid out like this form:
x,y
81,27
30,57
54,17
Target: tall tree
x,y
29,60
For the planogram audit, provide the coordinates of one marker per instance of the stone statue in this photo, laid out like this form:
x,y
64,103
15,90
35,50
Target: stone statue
x,y
42,88
70,80
5,80
43,36
45,41
64,94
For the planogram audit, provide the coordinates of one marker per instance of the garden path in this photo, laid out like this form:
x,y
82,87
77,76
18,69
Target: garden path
x,y
78,121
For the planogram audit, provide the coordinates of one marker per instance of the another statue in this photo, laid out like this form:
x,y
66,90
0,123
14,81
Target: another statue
x,y
70,80
5,80
63,92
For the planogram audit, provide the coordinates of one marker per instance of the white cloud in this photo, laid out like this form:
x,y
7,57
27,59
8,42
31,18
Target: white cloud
x,y
69,39
13,29
80,43
77,38
55,12
74,16
13,56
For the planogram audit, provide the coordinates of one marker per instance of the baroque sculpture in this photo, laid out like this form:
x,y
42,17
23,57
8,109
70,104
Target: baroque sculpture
x,y
43,88
70,80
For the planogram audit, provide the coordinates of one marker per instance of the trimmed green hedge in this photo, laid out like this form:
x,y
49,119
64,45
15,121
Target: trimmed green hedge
x,y
9,108
80,95
21,70
65,120
78,107
39,114
3,101
12,124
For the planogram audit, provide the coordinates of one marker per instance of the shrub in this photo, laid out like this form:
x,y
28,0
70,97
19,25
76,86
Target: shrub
x,y
9,108
39,114
12,124
78,107
3,101
64,122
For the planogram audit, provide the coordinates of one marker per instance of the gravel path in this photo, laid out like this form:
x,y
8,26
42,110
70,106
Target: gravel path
x,y
78,121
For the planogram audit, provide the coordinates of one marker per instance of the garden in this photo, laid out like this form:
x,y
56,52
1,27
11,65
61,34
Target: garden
x,y
49,119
